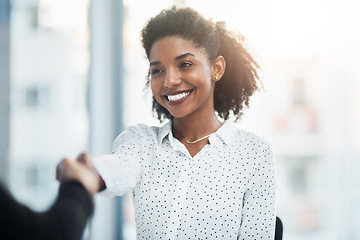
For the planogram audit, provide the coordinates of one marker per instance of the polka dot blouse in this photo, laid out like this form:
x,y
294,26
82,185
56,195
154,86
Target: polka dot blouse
x,y
226,191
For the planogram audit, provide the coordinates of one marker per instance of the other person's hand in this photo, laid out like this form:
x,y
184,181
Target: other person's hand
x,y
82,170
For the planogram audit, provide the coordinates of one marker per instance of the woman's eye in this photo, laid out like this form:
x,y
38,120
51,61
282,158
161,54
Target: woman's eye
x,y
156,71
185,65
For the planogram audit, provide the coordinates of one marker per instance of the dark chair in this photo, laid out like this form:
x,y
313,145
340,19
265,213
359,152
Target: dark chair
x,y
278,229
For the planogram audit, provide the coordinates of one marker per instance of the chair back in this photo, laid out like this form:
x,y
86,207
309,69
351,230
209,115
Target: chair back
x,y
278,229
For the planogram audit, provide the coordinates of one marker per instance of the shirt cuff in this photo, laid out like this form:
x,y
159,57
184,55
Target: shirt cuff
x,y
104,171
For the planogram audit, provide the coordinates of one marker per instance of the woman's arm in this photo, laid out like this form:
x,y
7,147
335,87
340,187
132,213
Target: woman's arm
x,y
258,214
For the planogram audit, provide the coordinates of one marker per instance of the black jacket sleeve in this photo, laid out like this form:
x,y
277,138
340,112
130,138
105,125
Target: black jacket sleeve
x,y
66,219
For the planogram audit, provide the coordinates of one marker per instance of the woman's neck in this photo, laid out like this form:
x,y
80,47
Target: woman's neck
x,y
191,129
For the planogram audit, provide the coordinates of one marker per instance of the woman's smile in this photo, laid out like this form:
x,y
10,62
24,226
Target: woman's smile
x,y
177,97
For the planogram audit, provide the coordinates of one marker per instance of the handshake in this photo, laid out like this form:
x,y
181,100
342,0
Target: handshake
x,y
82,170
67,217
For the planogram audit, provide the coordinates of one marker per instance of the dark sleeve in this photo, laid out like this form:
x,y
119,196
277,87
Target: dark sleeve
x,y
66,219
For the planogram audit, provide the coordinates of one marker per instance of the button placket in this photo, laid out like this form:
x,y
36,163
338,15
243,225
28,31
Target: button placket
x,y
179,199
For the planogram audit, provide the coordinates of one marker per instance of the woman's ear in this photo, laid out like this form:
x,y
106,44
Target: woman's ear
x,y
218,68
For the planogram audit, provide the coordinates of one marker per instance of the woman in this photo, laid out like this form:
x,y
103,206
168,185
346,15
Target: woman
x,y
198,176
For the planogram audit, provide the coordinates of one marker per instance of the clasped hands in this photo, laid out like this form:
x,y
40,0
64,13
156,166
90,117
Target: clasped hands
x,y
82,170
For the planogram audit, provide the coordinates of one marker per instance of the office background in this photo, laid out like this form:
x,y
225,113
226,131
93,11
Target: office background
x,y
72,76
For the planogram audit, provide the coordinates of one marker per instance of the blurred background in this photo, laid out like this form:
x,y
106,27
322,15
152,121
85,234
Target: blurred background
x,y
72,76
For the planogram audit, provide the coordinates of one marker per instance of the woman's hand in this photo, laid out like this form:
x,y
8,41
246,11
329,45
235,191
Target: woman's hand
x,y
82,170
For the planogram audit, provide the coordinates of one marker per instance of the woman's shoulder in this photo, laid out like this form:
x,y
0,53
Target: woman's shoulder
x,y
141,127
144,130
252,144
254,137
246,136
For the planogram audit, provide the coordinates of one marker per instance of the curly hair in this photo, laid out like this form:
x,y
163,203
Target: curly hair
x,y
240,80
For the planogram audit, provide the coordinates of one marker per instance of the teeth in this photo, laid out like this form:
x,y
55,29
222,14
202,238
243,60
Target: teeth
x,y
178,96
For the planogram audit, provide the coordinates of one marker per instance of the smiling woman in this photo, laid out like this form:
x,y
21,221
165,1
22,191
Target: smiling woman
x,y
212,39
198,176
315,41
182,79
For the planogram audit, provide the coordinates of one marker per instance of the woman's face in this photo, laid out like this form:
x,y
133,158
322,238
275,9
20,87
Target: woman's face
x,y
181,77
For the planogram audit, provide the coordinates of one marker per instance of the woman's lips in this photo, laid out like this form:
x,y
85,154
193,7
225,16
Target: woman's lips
x,y
177,98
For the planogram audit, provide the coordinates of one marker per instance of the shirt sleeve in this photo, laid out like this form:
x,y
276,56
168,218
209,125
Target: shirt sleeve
x,y
121,169
258,214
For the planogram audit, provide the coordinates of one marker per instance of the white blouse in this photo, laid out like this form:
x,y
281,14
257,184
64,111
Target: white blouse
x,y
226,191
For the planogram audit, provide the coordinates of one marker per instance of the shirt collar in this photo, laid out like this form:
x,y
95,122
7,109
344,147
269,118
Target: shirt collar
x,y
225,132
164,131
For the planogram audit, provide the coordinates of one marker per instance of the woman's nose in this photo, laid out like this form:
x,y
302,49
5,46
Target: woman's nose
x,y
172,79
